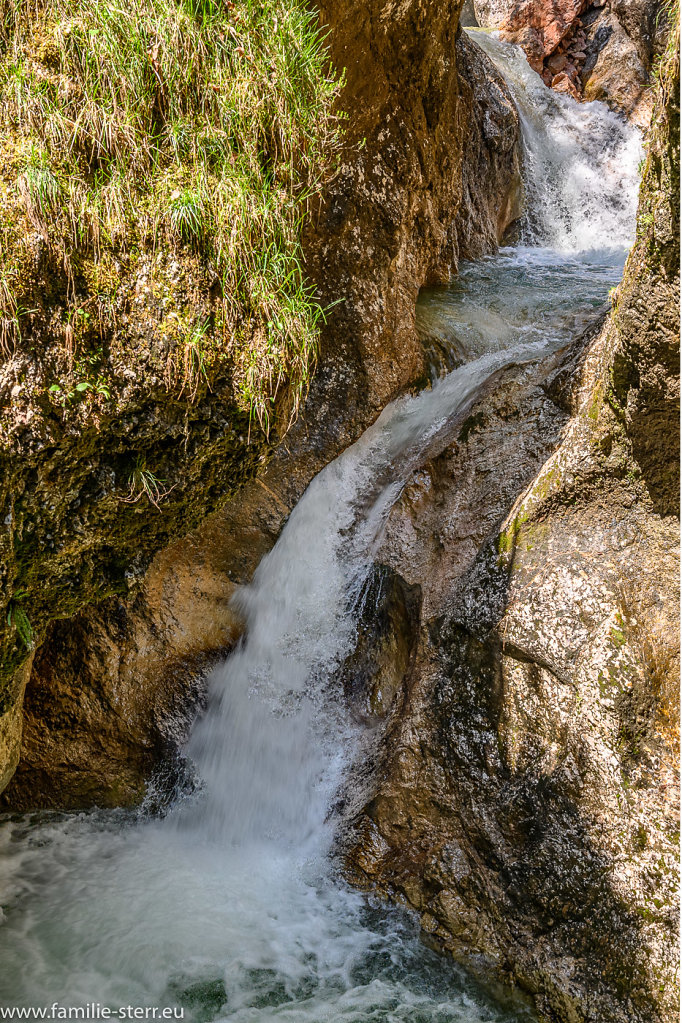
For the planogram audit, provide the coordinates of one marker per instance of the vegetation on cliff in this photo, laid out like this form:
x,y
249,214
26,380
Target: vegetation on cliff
x,y
132,131
158,160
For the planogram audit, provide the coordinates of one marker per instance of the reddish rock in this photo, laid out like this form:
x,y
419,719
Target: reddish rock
x,y
551,20
530,41
557,62
562,83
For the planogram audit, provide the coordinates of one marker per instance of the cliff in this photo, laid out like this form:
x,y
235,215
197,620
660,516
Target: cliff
x,y
524,795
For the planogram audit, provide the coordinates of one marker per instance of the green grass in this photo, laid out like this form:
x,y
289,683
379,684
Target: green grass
x,y
665,65
139,126
145,483
18,620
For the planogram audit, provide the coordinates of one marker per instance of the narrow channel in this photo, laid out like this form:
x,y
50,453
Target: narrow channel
x,y
230,906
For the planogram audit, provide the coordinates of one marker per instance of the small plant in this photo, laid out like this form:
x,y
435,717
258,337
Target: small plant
x,y
18,619
11,312
43,189
665,67
194,359
187,215
144,483
64,394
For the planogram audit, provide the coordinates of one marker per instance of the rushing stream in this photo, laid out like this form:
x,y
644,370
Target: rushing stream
x,y
230,907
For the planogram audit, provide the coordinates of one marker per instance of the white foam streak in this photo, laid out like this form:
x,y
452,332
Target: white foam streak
x,y
260,749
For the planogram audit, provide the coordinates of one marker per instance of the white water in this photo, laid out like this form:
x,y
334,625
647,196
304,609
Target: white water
x,y
581,162
230,906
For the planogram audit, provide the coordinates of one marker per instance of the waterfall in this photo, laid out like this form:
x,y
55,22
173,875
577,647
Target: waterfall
x,y
229,906
581,161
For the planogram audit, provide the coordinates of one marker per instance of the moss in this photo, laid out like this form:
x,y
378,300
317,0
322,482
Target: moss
x,y
597,400
75,538
617,637
525,526
644,376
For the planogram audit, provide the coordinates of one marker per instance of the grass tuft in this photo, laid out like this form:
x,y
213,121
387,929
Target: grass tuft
x,y
148,125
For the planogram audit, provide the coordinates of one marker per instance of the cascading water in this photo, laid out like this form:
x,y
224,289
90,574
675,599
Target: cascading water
x,y
229,906
581,163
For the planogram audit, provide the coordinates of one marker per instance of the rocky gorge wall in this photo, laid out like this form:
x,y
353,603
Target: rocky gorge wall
x,y
429,174
523,795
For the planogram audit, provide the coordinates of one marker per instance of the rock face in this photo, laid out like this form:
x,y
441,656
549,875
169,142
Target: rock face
x,y
524,795
77,527
620,43
593,51
492,155
429,175
537,25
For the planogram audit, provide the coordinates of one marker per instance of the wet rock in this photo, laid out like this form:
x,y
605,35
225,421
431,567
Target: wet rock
x,y
112,696
526,799
525,803
374,674
564,83
467,16
11,724
645,379
492,186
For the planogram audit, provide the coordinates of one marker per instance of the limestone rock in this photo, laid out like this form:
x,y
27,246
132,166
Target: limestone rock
x,y
526,801
491,13
613,70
